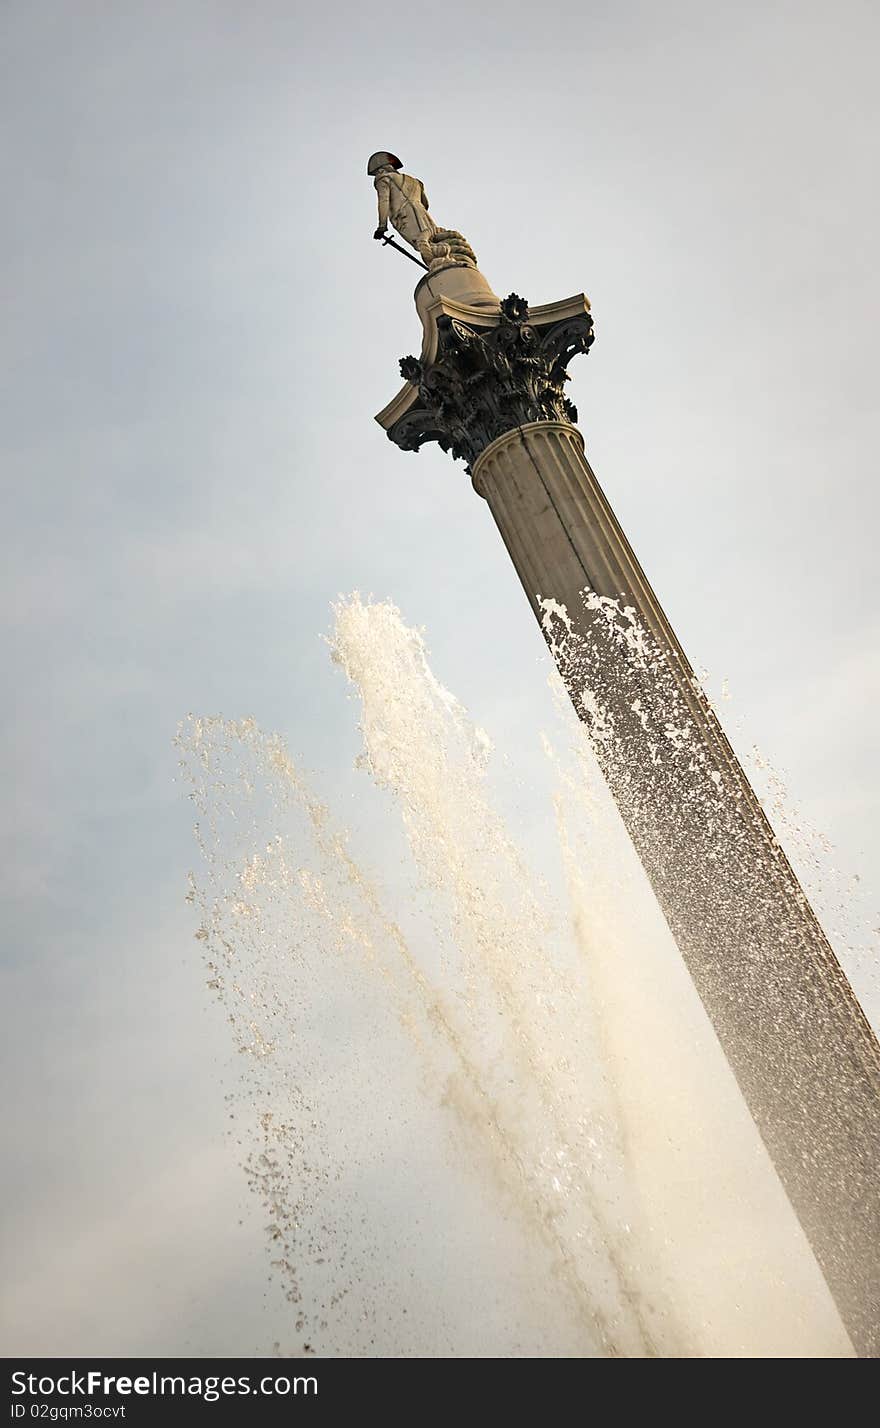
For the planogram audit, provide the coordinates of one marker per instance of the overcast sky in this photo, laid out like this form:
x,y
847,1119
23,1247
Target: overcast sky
x,y
198,331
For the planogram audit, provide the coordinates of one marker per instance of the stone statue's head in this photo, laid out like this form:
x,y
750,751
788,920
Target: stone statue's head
x,y
377,162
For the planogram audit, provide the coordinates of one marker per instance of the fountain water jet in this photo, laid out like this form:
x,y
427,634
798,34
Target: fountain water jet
x,y
565,1069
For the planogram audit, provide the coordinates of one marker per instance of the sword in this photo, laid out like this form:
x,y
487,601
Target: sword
x,y
390,243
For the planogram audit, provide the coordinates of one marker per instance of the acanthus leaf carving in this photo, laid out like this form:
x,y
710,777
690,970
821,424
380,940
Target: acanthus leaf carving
x,y
485,381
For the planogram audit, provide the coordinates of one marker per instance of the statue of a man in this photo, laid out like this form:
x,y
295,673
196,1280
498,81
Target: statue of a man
x,y
403,201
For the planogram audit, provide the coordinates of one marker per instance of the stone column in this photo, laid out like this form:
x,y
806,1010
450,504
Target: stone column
x,y
489,388
794,1034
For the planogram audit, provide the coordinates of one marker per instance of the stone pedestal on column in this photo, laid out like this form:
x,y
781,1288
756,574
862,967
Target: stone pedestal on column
x,y
489,387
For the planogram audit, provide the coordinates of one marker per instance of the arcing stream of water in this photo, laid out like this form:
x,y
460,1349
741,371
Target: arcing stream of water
x,y
484,1109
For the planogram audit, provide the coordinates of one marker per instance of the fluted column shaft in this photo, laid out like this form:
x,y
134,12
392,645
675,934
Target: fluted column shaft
x,y
796,1038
